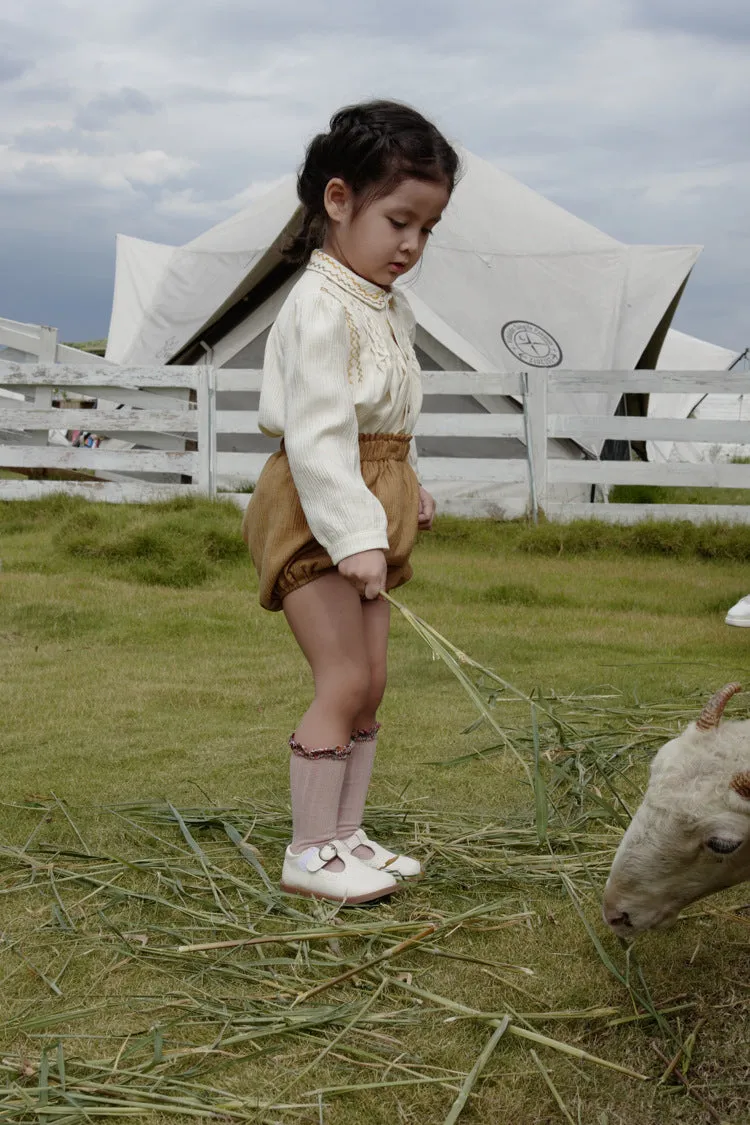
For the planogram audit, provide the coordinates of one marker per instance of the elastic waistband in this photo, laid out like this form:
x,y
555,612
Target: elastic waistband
x,y
384,447
381,447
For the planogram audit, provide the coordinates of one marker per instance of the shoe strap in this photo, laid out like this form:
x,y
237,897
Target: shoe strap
x,y
314,859
357,839
361,839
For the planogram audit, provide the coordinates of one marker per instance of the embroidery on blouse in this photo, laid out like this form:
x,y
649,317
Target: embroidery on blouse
x,y
332,269
354,360
372,332
354,366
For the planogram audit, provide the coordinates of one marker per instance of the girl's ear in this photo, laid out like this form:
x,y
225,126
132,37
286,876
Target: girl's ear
x,y
337,200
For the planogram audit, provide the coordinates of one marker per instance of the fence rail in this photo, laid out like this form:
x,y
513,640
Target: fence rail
x,y
171,414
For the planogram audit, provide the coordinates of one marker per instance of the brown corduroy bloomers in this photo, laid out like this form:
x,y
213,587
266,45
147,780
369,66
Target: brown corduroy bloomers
x,y
283,549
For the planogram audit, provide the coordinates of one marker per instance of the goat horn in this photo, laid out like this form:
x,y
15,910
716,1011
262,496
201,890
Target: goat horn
x,y
714,709
741,784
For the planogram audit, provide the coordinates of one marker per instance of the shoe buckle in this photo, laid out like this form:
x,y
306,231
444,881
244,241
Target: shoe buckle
x,y
324,855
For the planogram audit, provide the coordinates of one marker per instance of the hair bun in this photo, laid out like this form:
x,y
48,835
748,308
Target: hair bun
x,y
357,120
348,118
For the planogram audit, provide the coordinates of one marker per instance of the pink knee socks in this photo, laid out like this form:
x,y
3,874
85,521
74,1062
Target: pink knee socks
x,y
316,778
329,789
355,785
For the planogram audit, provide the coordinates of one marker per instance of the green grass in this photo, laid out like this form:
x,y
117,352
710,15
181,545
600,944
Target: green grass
x,y
680,494
649,538
96,347
136,667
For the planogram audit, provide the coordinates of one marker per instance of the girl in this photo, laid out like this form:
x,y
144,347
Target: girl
x,y
335,512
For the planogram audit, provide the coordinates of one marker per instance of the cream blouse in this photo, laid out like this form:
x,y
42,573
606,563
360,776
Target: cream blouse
x,y
339,362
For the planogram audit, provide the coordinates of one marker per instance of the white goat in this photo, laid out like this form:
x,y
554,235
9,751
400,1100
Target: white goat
x,y
691,835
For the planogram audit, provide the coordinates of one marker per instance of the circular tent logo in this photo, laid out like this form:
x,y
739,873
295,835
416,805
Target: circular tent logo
x,y
531,344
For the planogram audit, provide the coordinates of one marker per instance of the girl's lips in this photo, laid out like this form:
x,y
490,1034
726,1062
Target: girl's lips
x,y
397,267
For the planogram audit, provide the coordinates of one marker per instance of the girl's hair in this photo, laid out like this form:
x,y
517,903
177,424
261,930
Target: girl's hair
x,y
373,147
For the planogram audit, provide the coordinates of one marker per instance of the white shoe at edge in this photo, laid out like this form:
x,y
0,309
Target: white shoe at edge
x,y
739,614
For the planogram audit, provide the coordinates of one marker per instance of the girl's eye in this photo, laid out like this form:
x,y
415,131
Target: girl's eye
x,y
397,224
427,230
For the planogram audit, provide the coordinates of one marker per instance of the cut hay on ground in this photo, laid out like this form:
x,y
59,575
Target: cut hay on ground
x,y
149,967
245,980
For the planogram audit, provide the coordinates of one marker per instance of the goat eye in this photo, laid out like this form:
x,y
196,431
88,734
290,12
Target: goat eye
x,y
722,846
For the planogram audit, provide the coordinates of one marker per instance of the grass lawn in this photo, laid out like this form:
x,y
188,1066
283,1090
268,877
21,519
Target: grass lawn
x,y
144,809
679,494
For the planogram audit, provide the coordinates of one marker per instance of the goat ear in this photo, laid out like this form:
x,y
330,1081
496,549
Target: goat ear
x,y
741,784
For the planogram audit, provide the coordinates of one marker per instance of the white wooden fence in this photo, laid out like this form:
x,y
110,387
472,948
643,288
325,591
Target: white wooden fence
x,y
40,341
169,406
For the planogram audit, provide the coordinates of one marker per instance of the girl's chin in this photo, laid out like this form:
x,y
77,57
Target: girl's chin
x,y
382,278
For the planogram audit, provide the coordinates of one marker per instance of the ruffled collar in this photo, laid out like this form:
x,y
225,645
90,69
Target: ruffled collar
x,y
349,281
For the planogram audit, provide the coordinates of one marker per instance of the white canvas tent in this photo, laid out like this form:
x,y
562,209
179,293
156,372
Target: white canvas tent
x,y
502,253
686,353
510,282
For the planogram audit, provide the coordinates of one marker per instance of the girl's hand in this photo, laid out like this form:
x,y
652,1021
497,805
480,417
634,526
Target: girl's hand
x,y
426,510
366,571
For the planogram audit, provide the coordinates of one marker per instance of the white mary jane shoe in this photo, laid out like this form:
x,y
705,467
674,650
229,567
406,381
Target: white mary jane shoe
x,y
307,874
381,859
739,614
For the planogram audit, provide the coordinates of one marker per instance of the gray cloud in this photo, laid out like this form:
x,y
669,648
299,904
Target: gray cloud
x,y
630,114
218,95
727,20
26,98
102,111
54,138
59,259
55,271
241,27
12,66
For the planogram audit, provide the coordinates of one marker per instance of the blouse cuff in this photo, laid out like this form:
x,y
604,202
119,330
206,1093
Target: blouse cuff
x,y
356,542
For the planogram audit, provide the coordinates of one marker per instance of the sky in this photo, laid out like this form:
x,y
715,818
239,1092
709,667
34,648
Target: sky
x,y
157,120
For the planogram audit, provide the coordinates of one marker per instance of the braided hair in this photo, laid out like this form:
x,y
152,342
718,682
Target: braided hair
x,y
372,147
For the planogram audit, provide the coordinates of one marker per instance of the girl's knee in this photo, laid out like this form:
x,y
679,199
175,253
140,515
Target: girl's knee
x,y
354,690
367,715
348,689
376,691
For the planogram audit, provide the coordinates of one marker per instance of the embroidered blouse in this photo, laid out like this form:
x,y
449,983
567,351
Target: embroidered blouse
x,y
339,362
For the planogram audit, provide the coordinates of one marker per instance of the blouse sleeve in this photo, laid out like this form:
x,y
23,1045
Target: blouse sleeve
x,y
411,321
321,435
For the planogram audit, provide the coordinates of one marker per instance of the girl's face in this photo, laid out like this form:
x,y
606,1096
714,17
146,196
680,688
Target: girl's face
x,y
387,236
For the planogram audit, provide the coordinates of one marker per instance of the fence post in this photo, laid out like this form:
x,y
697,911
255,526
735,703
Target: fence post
x,y
535,421
207,441
43,395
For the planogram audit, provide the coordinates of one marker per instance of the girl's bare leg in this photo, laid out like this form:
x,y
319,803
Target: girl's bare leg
x,y
327,619
376,623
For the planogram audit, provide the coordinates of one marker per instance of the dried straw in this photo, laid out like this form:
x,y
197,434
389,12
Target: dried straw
x,y
232,973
